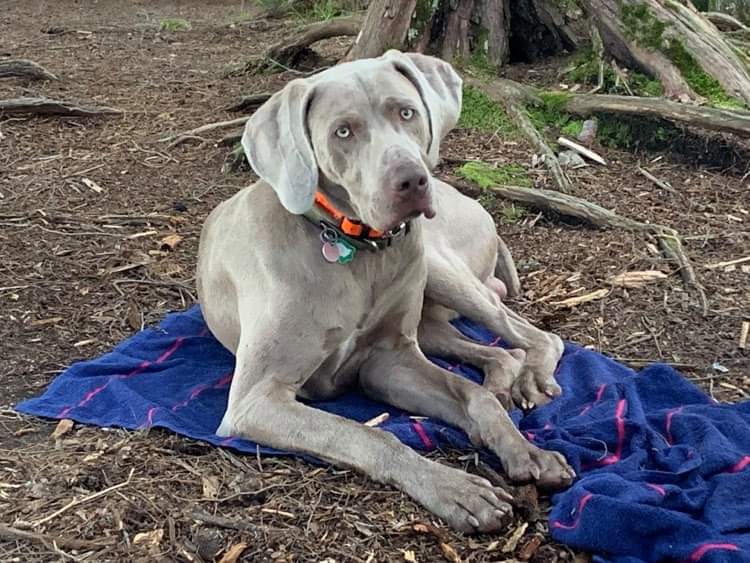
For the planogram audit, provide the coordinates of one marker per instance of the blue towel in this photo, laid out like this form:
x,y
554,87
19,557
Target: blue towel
x,y
664,471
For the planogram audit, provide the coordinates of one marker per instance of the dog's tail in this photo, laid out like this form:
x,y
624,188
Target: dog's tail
x,y
505,269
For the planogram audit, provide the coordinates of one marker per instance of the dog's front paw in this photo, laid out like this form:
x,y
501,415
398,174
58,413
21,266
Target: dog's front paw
x,y
466,502
536,385
547,469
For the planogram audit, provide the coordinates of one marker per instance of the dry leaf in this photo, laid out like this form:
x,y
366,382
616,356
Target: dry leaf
x,y
515,537
152,538
449,553
62,428
636,279
409,555
170,241
233,553
578,300
529,548
210,487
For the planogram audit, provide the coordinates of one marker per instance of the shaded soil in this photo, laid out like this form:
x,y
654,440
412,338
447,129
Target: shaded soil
x,y
84,268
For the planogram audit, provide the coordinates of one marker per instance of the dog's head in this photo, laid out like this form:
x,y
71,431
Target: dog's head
x,y
371,127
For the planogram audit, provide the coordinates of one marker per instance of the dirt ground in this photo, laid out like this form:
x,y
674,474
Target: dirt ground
x,y
82,268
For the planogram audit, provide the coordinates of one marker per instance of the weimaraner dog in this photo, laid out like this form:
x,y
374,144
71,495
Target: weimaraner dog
x,y
315,278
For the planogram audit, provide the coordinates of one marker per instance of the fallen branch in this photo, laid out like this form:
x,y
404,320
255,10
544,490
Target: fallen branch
x,y
286,53
249,103
711,119
514,97
571,206
11,534
182,137
22,68
46,106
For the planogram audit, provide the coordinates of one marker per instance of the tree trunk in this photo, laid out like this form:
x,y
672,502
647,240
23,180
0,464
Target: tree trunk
x,y
672,42
386,26
539,29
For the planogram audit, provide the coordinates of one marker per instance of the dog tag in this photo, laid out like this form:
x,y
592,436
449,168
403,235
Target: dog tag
x,y
330,251
346,252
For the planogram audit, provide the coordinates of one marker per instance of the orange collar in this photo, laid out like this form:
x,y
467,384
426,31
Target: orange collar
x,y
351,227
335,225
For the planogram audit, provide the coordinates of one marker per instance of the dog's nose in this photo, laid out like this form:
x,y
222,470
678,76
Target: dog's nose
x,y
411,182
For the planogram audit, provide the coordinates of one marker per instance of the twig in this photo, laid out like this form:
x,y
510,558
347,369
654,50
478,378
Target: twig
x,y
727,263
744,330
663,185
84,500
10,533
204,128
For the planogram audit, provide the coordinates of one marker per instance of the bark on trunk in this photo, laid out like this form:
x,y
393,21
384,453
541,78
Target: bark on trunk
x,y
648,34
386,26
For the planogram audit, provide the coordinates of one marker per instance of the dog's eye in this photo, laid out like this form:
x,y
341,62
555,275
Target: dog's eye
x,y
407,114
343,132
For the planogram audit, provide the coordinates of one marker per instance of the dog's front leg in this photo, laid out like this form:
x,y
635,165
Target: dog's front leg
x,y
404,377
263,407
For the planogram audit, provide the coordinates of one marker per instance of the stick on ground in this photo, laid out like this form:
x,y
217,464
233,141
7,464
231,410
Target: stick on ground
x,y
47,106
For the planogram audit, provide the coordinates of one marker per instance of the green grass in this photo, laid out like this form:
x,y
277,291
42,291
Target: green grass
x,y
486,175
317,10
174,24
479,112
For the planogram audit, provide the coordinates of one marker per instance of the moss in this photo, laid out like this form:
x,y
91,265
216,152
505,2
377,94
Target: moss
x,y
642,26
486,175
585,70
513,214
701,82
631,133
479,112
174,24
551,114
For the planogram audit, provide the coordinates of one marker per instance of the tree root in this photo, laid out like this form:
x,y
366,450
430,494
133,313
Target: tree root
x,y
46,106
514,97
250,103
180,138
570,206
285,53
22,68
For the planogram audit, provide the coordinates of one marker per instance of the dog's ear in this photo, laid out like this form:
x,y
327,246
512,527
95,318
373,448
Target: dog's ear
x,y
278,147
440,87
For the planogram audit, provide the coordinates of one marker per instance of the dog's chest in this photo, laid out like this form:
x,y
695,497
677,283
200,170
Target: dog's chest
x,y
382,313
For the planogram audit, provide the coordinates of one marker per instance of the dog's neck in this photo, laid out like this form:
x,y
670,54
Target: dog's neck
x,y
338,197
